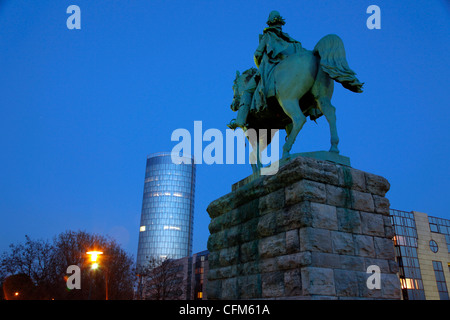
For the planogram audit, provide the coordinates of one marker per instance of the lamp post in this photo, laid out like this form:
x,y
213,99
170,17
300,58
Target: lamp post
x,y
94,257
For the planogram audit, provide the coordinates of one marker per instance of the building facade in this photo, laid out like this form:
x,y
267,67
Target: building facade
x,y
193,270
422,245
167,215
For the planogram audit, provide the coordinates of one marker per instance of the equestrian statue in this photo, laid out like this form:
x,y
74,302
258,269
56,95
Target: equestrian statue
x,y
289,84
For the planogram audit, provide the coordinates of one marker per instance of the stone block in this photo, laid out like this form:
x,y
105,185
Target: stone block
x,y
267,225
292,241
269,265
314,239
272,284
372,224
352,178
390,286
251,267
381,263
381,205
384,248
292,283
348,220
318,281
214,289
249,251
364,291
305,190
354,263
388,228
325,260
272,246
294,217
346,282
249,286
342,243
229,288
364,245
272,201
338,196
376,184
293,261
324,216
362,201
229,256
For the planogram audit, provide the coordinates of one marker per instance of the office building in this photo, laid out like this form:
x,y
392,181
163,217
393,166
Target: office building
x,y
167,214
422,245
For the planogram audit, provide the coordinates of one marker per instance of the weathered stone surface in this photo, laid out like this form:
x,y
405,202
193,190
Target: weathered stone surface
x,y
292,241
249,251
346,282
372,224
364,245
323,216
352,178
305,190
325,260
272,284
318,281
249,286
229,288
381,204
338,196
309,232
313,239
389,286
348,220
272,246
293,283
362,201
355,263
384,248
294,261
342,243
376,184
272,201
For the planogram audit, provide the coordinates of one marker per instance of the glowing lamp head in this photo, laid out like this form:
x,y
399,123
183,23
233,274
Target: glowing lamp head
x,y
94,255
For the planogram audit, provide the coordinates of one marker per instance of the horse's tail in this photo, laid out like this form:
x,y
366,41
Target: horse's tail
x,y
331,51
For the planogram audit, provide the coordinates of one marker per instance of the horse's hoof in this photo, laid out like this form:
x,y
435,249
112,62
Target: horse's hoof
x,y
286,155
334,149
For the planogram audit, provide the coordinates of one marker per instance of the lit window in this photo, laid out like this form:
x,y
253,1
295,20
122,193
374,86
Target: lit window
x,y
172,228
142,228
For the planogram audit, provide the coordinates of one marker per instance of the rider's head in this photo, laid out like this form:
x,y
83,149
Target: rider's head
x,y
275,19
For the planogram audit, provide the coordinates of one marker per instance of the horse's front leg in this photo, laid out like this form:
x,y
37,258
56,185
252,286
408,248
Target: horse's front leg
x,y
254,154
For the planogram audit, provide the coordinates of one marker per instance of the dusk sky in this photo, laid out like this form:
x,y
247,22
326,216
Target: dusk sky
x,y
82,109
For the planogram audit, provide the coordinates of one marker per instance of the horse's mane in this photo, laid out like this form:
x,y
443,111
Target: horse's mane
x,y
249,73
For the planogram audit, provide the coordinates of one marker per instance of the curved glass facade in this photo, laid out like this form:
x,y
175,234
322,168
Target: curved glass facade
x,y
167,214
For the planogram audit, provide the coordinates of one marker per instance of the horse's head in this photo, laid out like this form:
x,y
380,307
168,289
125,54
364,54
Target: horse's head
x,y
239,84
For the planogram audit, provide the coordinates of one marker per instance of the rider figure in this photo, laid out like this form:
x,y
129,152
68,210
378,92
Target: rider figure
x,y
274,46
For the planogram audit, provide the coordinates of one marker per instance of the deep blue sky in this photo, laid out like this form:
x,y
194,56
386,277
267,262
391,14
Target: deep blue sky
x,y
81,109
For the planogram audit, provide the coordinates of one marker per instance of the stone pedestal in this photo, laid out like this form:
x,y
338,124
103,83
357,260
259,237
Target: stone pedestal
x,y
309,232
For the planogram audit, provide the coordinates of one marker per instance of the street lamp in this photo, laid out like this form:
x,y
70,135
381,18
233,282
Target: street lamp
x,y
94,256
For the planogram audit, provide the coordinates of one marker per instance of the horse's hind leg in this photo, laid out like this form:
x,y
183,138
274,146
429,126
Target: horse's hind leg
x,y
293,111
330,114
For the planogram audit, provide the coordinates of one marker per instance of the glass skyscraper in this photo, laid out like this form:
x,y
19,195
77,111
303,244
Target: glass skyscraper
x,y
167,214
